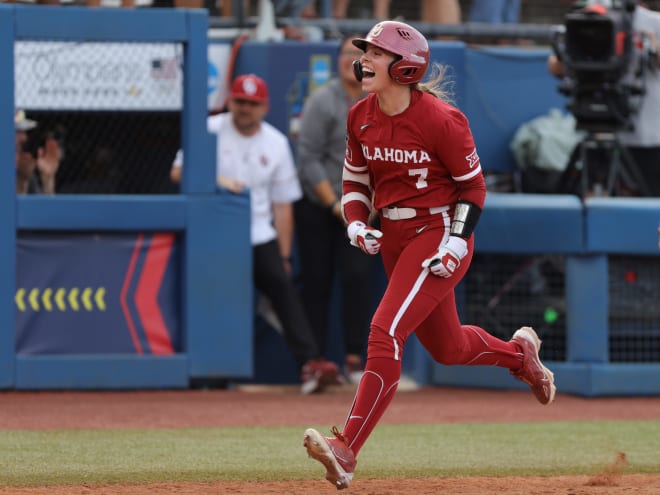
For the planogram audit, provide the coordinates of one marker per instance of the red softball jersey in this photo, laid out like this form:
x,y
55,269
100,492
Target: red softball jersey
x,y
424,157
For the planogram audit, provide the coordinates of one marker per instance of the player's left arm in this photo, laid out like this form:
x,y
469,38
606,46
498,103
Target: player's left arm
x,y
464,165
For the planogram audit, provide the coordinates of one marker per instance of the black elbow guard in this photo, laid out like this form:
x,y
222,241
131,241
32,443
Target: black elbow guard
x,y
466,216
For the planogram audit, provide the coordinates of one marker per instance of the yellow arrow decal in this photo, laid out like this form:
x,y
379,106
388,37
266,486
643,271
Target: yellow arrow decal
x,y
73,301
86,299
59,299
51,298
45,298
100,294
20,294
34,299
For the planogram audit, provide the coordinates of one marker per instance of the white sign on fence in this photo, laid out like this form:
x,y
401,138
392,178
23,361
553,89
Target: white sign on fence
x,y
108,76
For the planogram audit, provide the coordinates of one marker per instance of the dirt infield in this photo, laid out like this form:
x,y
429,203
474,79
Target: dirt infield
x,y
283,406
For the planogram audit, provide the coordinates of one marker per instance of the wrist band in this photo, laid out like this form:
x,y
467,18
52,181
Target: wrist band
x,y
466,215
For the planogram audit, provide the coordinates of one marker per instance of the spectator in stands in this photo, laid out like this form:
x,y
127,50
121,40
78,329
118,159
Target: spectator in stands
x,y
295,8
324,252
441,11
495,11
38,157
446,12
381,9
254,155
643,141
99,3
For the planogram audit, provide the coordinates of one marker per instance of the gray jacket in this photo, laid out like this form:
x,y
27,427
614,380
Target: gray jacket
x,y
322,138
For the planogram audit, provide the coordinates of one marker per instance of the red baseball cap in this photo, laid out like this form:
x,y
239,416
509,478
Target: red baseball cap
x,y
249,87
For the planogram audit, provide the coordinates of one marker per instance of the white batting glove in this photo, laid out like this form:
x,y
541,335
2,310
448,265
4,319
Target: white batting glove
x,y
364,237
445,261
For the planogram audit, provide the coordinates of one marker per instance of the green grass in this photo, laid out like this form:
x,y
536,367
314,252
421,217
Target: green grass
x,y
264,453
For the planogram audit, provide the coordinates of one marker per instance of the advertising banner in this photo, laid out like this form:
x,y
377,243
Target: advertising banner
x,y
109,76
91,293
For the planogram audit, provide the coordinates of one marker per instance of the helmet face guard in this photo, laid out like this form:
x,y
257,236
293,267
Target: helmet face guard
x,y
406,43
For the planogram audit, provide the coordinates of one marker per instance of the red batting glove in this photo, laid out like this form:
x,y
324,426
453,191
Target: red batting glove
x,y
444,261
364,237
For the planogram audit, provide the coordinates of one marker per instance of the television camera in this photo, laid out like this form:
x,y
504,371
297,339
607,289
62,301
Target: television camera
x,y
604,62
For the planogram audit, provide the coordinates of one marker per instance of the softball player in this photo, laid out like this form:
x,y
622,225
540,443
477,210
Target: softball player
x,y
411,156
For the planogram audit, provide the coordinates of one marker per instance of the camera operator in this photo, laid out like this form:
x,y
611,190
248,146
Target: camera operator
x,y
38,156
642,140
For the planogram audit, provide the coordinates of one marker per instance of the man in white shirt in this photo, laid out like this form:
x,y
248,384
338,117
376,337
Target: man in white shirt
x,y
254,155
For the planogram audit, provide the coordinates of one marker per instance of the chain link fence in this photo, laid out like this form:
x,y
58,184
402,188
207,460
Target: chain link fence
x,y
114,108
505,292
634,308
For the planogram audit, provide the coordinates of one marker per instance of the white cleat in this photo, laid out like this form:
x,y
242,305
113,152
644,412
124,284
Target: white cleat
x,y
533,372
334,454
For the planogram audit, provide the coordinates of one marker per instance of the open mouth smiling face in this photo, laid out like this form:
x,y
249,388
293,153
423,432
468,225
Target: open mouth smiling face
x,y
367,73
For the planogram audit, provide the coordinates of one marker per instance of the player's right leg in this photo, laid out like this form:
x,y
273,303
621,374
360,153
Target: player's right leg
x,y
334,454
533,372
451,343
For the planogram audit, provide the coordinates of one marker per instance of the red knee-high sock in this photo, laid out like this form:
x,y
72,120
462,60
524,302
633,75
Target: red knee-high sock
x,y
485,349
374,394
